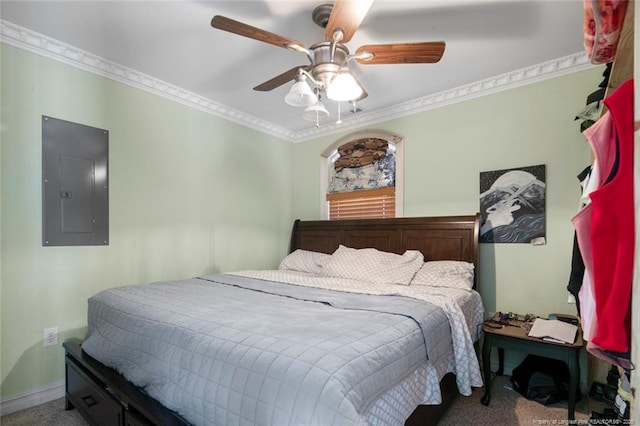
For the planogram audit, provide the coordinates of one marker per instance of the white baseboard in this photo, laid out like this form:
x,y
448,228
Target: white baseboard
x,y
31,398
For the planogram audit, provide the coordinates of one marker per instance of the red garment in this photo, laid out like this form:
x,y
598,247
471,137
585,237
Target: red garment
x,y
612,231
599,136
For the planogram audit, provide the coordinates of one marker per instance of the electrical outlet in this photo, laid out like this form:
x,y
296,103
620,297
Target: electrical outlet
x,y
50,337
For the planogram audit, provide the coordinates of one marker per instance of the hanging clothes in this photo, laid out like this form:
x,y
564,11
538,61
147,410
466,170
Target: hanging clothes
x,y
605,231
612,232
598,136
602,25
576,276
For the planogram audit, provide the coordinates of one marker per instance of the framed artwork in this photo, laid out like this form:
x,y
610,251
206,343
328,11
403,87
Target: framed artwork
x,y
512,205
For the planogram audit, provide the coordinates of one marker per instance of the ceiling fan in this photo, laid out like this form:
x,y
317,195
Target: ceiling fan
x,y
327,69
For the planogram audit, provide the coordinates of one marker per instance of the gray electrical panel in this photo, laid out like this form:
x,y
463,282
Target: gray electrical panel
x,y
75,188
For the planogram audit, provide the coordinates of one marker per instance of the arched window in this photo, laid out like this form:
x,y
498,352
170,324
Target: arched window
x,y
362,176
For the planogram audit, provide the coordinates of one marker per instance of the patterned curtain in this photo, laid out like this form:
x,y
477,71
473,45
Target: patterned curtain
x,y
363,164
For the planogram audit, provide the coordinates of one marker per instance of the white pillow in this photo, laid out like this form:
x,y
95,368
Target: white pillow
x,y
373,265
445,273
304,261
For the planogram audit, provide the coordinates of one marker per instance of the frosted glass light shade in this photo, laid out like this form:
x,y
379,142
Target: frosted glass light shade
x,y
300,94
315,112
343,87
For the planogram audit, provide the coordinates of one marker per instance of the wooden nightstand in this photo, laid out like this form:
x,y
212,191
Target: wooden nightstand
x,y
514,337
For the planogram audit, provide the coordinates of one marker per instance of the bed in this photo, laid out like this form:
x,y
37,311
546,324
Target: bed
x,y
293,345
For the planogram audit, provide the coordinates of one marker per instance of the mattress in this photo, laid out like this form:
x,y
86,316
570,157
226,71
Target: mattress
x,y
251,349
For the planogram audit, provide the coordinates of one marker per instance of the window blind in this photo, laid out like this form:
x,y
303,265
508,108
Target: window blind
x,y
366,204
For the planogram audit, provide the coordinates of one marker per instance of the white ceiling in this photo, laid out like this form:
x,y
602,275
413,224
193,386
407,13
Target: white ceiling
x,y
173,42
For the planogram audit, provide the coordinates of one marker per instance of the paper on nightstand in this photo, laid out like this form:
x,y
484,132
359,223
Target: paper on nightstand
x,y
554,329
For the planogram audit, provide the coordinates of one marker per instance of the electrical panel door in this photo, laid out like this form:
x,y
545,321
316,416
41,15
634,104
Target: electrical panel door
x,y
75,189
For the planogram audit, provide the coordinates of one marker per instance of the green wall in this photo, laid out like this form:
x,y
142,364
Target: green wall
x,y
445,149
190,194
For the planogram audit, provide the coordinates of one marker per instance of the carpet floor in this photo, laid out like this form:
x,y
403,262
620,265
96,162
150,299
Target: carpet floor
x,y
507,407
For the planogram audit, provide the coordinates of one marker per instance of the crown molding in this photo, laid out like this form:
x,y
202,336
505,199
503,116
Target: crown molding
x,y
518,78
48,47
43,45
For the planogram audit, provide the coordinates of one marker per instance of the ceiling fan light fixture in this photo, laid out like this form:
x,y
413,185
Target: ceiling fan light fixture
x,y
300,94
343,87
315,112
327,71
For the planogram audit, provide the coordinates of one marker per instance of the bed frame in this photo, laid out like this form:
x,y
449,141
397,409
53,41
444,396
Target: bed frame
x,y
103,396
438,238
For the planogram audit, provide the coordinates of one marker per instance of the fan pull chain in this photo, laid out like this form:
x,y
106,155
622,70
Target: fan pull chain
x,y
339,118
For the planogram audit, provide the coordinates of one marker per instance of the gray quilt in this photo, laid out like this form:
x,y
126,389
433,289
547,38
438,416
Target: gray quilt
x,y
230,350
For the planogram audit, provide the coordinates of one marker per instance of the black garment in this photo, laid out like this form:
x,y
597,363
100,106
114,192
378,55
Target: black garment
x,y
576,275
577,272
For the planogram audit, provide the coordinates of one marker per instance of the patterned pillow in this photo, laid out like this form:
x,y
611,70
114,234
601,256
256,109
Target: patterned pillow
x,y
304,261
373,266
445,273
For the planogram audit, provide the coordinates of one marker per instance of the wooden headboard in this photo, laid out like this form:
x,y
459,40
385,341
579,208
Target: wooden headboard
x,y
438,238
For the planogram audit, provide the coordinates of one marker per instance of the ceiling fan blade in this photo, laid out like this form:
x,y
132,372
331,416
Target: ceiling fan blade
x,y
402,53
245,30
279,80
347,16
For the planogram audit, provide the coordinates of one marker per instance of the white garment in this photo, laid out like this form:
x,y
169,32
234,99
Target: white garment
x,y
586,295
587,308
